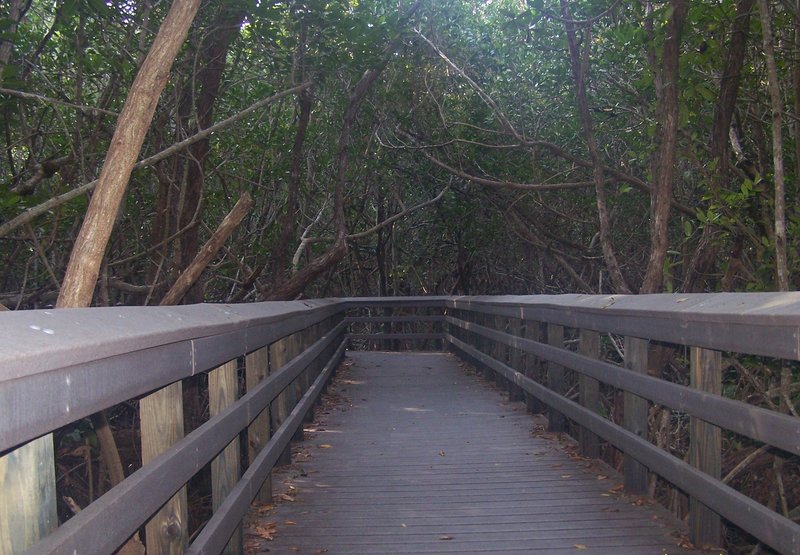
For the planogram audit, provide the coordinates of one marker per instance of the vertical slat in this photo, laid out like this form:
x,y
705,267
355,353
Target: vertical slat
x,y
27,495
635,414
279,409
705,446
589,346
258,433
533,331
555,378
300,342
498,350
515,360
225,468
161,415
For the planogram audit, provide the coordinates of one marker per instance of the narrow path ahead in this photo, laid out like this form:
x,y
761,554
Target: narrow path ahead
x,y
423,457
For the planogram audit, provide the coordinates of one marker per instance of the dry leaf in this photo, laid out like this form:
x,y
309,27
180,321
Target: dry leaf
x,y
320,551
404,525
580,546
441,453
325,446
290,523
556,465
445,537
566,475
602,477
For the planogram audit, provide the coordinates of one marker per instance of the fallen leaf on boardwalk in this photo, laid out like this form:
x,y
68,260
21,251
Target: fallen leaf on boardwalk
x,y
441,453
616,489
264,508
320,551
294,549
325,446
556,465
290,523
566,475
580,546
445,537
267,531
404,525
602,477
286,497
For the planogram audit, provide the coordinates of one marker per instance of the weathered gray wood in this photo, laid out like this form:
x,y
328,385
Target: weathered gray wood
x,y
27,495
161,416
428,461
705,447
635,414
258,433
533,365
514,359
280,407
555,379
225,468
760,424
589,346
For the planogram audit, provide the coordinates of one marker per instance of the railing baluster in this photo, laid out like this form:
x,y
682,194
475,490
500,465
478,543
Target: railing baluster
x,y
635,413
515,360
533,366
589,346
225,468
28,484
161,416
705,446
279,409
555,378
258,433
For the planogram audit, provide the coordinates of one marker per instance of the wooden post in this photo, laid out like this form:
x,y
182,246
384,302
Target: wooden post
x,y
27,495
161,416
279,409
258,433
498,351
705,447
635,414
225,468
300,342
533,331
515,392
589,346
555,378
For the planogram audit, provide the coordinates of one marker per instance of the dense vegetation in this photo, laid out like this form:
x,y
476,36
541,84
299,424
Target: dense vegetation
x,y
452,147
558,132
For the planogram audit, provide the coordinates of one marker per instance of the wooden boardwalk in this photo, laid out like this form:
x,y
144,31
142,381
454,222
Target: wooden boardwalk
x,y
420,456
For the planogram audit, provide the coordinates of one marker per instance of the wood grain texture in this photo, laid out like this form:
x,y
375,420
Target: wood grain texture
x,y
705,446
555,378
27,486
161,415
426,458
589,345
635,413
258,433
226,467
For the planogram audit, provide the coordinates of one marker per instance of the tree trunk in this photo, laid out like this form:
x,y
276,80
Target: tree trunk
x,y
87,254
706,251
579,72
209,77
666,157
781,270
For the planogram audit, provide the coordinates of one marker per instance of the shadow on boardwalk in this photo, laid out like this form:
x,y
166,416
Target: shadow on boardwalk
x,y
418,456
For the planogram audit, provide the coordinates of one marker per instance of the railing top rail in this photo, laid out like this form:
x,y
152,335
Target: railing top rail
x,y
37,341
755,323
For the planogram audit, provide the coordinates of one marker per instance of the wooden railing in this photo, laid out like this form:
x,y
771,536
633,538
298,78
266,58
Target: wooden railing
x,y
63,365
520,341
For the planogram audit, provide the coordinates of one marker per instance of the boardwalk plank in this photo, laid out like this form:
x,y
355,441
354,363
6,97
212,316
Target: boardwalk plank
x,y
422,457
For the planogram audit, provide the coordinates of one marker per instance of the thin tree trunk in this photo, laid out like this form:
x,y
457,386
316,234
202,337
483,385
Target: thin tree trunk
x,y
209,78
663,184
781,270
84,264
579,73
706,251
207,253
